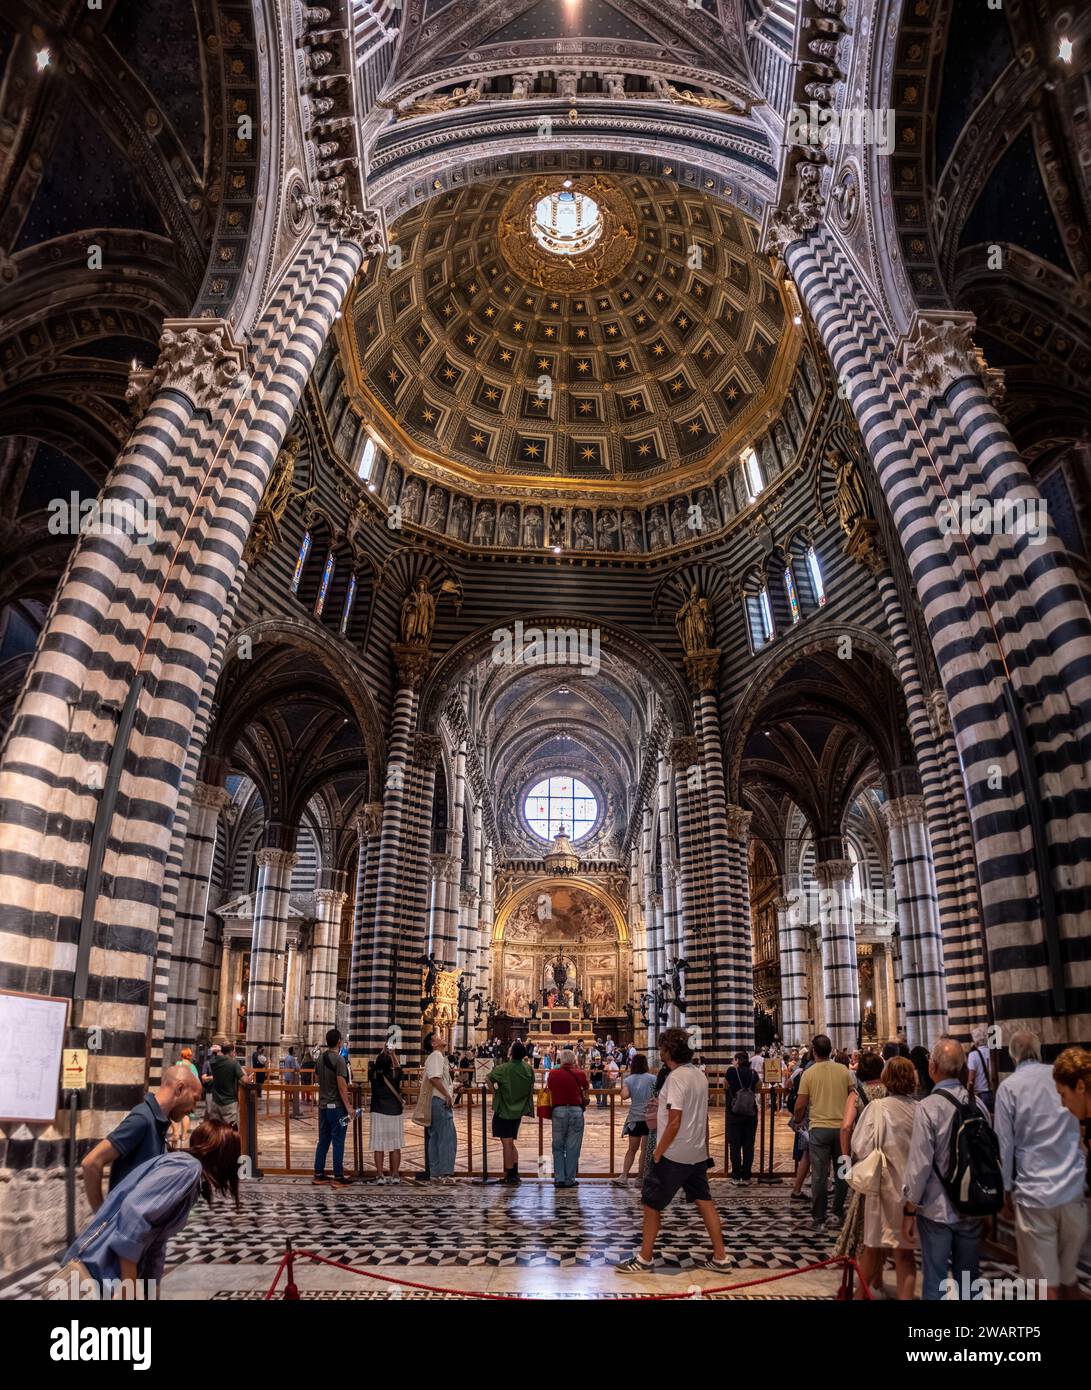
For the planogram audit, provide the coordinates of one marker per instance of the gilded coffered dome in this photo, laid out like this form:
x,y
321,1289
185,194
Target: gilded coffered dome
x,y
580,331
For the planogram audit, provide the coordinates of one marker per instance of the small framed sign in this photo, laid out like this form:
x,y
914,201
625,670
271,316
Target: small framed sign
x,y
33,1027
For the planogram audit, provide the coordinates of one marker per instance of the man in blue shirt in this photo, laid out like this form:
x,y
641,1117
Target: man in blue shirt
x,y
142,1134
947,1238
1043,1170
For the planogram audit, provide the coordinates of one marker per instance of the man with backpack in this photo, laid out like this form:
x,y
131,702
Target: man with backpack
x,y
743,1088
952,1178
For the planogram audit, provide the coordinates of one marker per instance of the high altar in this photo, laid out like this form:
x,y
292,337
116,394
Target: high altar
x,y
558,959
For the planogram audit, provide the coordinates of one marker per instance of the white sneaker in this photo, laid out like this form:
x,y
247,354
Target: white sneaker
x,y
619,1181
381,1181
395,1182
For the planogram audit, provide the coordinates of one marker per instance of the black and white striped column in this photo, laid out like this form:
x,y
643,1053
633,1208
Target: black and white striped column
x,y
735,1010
269,944
796,1023
918,920
426,751
1006,617
190,915
368,822
685,752
321,1011
840,974
379,1011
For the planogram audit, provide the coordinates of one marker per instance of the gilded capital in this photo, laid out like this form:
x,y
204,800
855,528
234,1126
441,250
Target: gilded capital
x,y
702,668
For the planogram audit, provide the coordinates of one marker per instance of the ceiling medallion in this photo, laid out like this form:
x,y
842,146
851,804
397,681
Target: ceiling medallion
x,y
567,233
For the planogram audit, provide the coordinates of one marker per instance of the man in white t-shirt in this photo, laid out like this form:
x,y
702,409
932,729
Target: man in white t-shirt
x,y
680,1159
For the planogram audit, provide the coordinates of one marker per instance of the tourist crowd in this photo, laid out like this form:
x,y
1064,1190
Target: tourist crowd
x,y
919,1149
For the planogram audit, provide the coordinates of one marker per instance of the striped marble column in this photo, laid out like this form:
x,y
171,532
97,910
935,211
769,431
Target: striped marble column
x,y
918,920
899,988
949,830
653,920
1001,607
485,918
840,977
321,1011
368,824
446,871
673,924
735,1009
684,755
797,1025
412,916
190,914
380,1011
268,945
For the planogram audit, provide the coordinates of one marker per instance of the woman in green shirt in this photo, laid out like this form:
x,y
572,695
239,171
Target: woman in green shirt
x,y
512,1085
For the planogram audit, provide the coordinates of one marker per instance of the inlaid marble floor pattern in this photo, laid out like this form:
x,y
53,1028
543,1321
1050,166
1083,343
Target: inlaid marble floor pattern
x,y
527,1241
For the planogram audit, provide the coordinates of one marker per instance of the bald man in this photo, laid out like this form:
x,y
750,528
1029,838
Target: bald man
x,y
142,1134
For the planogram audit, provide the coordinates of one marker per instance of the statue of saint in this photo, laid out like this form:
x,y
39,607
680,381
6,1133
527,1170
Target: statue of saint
x,y
850,499
279,491
418,615
694,623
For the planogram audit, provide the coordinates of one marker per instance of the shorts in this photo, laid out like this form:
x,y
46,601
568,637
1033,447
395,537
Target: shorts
x,y
1049,1241
228,1113
666,1178
505,1129
635,1129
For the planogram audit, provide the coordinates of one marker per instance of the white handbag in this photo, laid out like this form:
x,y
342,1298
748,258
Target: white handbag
x,y
867,1175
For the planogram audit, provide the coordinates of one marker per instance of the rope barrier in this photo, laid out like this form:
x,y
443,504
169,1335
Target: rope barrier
x,y
291,1291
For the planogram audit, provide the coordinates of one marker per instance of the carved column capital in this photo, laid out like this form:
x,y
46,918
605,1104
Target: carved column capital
x,y
412,662
198,357
211,797
365,226
683,750
276,858
738,821
427,750
939,350
368,820
329,897
793,221
702,668
904,810
468,897
831,871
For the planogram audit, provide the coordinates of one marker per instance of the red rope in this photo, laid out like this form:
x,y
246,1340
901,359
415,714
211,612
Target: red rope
x,y
843,1260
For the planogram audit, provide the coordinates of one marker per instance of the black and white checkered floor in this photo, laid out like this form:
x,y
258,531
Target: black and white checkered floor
x,y
473,1228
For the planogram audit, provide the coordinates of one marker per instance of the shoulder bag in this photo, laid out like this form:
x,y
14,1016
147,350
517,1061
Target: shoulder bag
x,y
867,1175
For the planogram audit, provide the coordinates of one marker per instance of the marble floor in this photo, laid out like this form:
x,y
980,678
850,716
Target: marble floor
x,y
468,1239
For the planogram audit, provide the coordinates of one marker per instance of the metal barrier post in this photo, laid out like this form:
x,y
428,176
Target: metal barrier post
x,y
469,1129
769,1176
251,1108
484,1135
613,1155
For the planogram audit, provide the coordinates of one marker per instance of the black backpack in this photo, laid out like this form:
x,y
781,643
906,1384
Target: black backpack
x,y
975,1183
